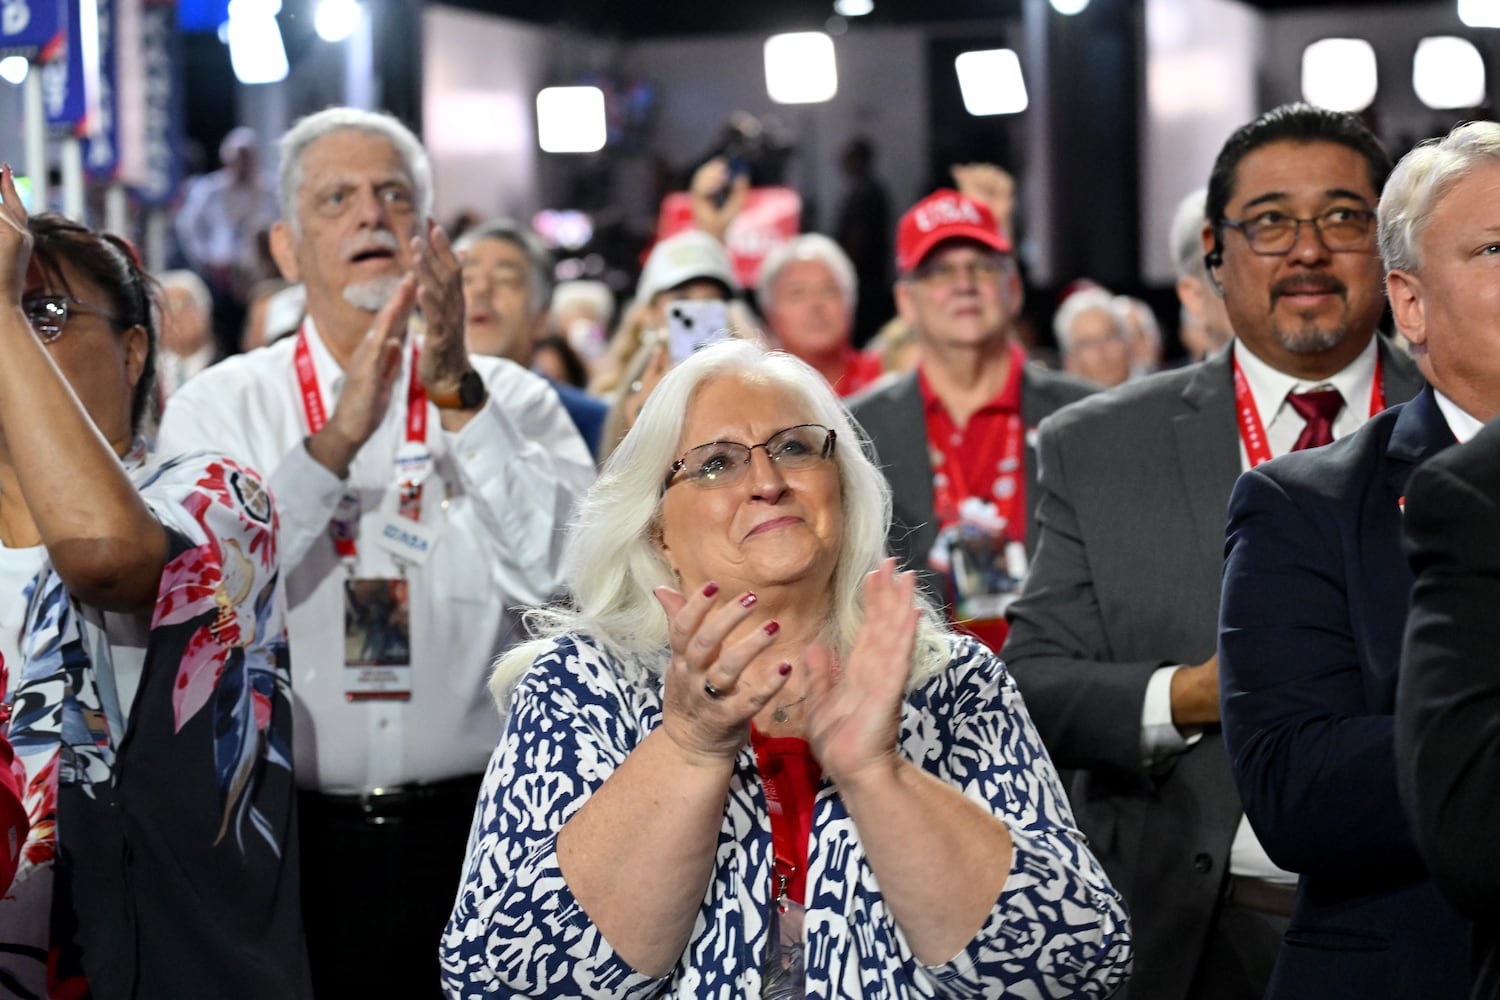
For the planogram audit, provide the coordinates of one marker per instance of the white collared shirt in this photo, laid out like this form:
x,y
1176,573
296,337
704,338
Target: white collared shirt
x,y
1460,423
1283,425
500,493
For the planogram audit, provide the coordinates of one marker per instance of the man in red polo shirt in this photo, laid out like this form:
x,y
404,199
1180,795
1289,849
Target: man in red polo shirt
x,y
954,436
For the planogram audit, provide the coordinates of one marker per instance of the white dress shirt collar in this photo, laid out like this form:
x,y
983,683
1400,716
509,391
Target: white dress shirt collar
x,y
1269,387
1460,422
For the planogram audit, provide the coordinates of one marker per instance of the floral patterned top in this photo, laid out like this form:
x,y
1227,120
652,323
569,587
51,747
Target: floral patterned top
x,y
161,855
1058,929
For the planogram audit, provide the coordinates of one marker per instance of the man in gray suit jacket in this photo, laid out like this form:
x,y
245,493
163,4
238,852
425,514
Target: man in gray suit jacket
x,y
955,437
1113,640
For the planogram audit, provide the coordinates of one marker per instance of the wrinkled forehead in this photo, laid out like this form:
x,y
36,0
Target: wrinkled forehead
x,y
352,156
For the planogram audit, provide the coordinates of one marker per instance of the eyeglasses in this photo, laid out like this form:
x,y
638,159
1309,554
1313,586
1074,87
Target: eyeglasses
x,y
1272,233
48,314
723,463
948,273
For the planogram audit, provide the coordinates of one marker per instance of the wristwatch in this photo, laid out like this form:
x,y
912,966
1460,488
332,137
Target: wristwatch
x,y
469,395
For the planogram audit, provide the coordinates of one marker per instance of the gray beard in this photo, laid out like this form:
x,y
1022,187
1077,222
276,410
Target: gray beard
x,y
373,294
1311,340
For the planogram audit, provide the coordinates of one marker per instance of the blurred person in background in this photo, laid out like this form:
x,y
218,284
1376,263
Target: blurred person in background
x,y
554,358
807,292
277,307
507,281
1205,322
1092,337
582,311
187,343
223,214
143,658
1143,333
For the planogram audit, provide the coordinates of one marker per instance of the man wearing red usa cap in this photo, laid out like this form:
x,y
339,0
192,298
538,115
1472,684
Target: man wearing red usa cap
x,y
954,437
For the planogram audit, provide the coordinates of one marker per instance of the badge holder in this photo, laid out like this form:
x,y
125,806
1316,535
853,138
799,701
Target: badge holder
x,y
377,639
784,972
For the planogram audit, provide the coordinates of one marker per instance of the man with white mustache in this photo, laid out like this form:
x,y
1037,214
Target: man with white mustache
x,y
422,495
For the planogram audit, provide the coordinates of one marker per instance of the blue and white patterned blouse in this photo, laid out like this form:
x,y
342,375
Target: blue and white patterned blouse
x,y
1058,929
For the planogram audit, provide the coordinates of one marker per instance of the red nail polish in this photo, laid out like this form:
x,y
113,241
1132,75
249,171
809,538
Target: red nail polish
x,y
784,669
710,589
748,601
771,627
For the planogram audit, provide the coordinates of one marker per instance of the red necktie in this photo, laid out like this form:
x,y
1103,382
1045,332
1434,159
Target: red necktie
x,y
1318,407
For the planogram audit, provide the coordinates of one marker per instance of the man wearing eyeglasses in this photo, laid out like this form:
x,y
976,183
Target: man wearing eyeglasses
x,y
1113,641
1309,675
954,437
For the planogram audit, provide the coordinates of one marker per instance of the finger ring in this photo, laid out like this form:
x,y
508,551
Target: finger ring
x,y
712,691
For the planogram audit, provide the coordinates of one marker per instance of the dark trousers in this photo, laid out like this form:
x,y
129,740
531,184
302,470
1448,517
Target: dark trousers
x,y
379,874
1239,955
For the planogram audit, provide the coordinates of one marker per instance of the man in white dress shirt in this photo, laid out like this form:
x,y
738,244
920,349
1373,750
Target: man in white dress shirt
x,y
422,496
1113,641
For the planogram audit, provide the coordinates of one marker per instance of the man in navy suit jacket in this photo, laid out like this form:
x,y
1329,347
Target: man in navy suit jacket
x,y
1315,601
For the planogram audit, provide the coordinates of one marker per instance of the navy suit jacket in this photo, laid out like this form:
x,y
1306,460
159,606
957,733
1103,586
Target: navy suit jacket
x,y
1448,701
1311,618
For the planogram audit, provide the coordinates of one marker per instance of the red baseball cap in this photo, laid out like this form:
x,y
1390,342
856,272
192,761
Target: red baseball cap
x,y
944,215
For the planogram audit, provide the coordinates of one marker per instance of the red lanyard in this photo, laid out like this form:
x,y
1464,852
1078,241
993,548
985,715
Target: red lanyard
x,y
342,528
790,775
1253,432
951,486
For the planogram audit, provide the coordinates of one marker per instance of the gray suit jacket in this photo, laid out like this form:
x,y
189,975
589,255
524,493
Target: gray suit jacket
x,y
893,417
1135,485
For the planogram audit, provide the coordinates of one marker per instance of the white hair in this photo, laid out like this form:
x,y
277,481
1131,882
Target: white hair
x,y
808,246
1422,177
310,128
1186,235
1138,312
538,257
189,282
613,562
1084,300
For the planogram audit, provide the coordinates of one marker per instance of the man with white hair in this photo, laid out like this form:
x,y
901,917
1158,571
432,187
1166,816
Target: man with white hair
x,y
1092,337
422,494
1205,324
808,292
187,344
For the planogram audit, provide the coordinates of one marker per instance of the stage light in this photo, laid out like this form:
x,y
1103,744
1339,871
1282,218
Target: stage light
x,y
991,82
1448,72
1339,74
800,68
256,52
570,119
336,20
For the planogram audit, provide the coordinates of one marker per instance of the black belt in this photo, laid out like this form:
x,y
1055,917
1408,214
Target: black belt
x,y
1262,896
460,793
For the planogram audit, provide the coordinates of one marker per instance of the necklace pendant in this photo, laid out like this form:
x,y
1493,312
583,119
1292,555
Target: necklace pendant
x,y
779,715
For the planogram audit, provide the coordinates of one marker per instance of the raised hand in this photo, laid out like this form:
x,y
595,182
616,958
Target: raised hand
x,y
854,708
710,182
15,239
440,297
369,381
711,690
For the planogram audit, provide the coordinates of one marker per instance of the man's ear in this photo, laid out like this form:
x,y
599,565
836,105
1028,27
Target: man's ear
x,y
905,308
284,250
1404,290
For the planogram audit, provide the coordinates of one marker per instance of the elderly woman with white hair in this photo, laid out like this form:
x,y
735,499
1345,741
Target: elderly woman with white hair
x,y
749,760
807,291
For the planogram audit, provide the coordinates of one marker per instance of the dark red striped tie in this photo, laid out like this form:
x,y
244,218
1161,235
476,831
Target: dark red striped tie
x,y
1319,408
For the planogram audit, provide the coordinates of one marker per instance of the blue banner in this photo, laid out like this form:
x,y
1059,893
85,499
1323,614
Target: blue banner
x,y
101,149
63,94
28,27
161,164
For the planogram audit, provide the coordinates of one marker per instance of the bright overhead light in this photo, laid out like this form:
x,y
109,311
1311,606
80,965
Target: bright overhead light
x,y
570,119
1448,72
1339,74
991,82
336,20
256,52
1069,6
13,69
800,68
1479,13
853,8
